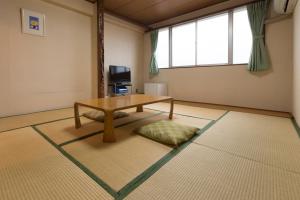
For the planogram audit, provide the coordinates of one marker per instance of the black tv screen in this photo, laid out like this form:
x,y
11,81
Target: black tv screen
x,y
119,74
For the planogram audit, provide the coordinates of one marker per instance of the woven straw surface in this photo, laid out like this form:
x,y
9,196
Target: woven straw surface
x,y
8,123
31,169
202,173
206,113
120,162
266,139
64,130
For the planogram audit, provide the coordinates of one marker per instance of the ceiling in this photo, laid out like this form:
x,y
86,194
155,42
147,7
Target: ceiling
x,y
147,12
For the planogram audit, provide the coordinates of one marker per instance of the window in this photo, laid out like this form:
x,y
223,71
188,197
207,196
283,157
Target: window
x,y
220,39
183,44
162,50
212,40
242,37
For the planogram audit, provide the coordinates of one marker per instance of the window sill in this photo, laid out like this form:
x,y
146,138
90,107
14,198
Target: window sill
x,y
199,66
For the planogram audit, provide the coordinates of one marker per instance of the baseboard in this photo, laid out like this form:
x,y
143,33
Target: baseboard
x,y
233,108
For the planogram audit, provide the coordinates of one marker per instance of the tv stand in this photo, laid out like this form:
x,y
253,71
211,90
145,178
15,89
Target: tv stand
x,y
118,89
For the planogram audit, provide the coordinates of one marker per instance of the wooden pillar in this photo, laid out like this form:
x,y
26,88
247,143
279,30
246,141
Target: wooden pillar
x,y
100,51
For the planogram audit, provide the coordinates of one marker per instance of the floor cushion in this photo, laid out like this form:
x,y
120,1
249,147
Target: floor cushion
x,y
99,115
167,132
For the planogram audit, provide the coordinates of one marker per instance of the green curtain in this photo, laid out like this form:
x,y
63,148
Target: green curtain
x,y
153,68
259,58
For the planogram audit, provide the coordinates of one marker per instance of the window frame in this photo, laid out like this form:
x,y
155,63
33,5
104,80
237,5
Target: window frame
x,y
230,41
171,42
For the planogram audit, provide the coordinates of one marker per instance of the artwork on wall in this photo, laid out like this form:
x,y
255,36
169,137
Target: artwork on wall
x,y
33,22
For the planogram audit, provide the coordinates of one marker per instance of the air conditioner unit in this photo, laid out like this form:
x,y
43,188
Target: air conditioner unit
x,y
284,6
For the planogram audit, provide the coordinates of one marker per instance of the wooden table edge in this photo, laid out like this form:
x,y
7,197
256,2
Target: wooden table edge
x,y
108,135
123,108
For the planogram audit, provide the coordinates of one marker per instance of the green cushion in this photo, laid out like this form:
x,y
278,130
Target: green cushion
x,y
167,132
99,115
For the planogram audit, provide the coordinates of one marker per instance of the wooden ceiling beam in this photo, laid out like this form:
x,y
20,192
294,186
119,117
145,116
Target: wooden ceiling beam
x,y
100,48
160,13
121,17
126,19
201,13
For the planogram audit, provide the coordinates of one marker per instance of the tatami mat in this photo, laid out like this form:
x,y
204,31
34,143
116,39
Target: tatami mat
x,y
205,113
190,121
202,173
64,130
241,156
266,139
245,125
32,169
19,121
119,163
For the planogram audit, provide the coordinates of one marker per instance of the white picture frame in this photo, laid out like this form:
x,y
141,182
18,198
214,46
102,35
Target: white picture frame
x,y
33,22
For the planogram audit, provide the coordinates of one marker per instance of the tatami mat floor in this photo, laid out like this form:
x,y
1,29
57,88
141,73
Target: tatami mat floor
x,y
31,168
236,155
20,121
200,172
63,130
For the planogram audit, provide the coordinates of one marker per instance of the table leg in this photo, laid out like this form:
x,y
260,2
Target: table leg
x,y
76,116
171,109
139,109
108,128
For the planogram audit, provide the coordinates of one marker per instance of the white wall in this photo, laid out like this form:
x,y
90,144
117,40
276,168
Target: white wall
x,y
234,85
124,45
40,73
296,89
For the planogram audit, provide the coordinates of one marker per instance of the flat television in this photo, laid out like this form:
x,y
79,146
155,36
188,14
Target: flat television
x,y
119,74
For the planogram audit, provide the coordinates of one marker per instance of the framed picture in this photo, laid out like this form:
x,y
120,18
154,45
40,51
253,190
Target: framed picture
x,y
33,22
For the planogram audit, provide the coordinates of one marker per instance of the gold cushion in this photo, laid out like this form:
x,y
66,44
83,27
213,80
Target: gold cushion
x,y
168,132
99,115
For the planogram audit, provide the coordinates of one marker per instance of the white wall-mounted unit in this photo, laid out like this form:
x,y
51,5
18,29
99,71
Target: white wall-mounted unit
x,y
284,6
156,89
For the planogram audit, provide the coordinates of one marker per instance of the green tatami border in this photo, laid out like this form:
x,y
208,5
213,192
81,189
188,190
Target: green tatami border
x,y
100,182
72,117
296,126
98,132
184,114
38,124
140,179
137,181
17,115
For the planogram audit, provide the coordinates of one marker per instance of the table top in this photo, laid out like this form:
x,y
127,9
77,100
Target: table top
x,y
122,102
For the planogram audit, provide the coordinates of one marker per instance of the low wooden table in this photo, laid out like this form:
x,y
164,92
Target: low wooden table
x,y
111,104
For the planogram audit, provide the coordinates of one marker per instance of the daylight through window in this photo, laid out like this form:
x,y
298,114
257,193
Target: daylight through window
x,y
221,39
